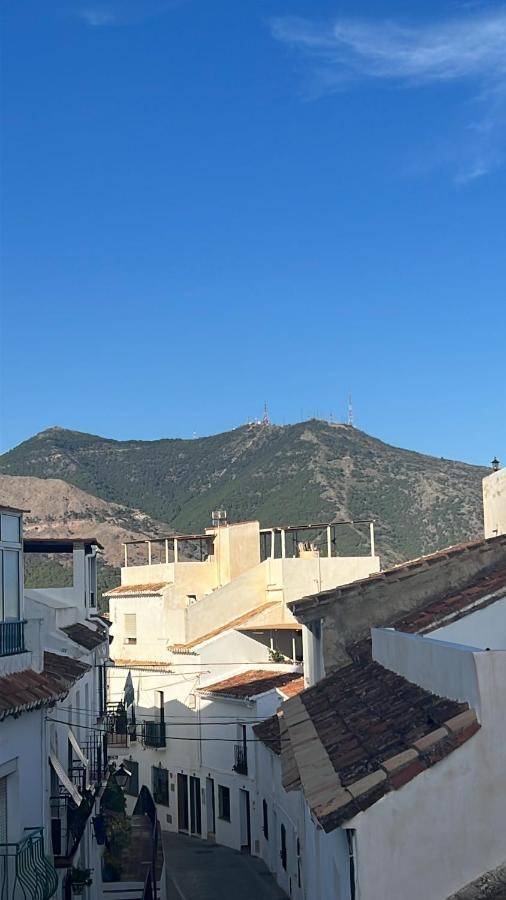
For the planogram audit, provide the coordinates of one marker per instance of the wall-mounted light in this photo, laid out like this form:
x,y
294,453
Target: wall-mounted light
x,y
121,776
495,464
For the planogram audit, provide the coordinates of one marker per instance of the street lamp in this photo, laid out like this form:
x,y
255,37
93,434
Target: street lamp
x,y
495,464
121,776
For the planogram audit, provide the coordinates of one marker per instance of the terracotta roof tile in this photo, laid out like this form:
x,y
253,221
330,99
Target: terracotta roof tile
x,y
362,720
84,636
23,691
293,687
268,733
252,683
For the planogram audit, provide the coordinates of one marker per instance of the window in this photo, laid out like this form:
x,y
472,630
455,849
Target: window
x,y
130,628
283,847
266,819
132,785
160,785
10,584
10,529
223,803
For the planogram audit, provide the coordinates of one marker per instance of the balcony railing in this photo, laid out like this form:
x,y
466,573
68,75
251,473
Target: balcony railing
x,y
241,759
12,638
25,871
154,734
116,725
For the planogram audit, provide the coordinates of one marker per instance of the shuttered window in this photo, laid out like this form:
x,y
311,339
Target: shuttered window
x,y
130,628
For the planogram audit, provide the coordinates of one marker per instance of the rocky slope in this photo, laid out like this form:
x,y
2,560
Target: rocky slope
x,y
297,473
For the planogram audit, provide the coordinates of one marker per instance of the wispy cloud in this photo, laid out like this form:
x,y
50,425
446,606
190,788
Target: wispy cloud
x,y
103,13
470,49
96,18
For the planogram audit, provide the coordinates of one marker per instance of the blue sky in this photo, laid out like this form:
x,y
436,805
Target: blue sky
x,y
211,204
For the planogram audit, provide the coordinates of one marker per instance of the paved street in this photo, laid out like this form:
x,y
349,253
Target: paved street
x,y
197,870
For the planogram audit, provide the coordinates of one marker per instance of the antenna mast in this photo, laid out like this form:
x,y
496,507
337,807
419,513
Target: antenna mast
x,y
265,418
350,411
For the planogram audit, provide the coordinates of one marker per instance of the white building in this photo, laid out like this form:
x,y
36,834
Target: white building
x,y
397,754
183,629
53,649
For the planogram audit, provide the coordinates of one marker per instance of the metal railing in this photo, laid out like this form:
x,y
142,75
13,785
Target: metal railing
x,y
240,759
25,871
116,725
146,805
154,734
12,637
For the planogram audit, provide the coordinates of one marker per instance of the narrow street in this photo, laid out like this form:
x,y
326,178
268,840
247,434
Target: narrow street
x,y
198,870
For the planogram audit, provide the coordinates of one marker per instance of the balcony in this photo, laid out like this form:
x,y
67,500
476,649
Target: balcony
x,y
241,759
154,734
25,871
116,726
12,637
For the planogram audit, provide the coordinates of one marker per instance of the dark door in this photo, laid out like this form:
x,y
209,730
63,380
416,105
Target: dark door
x,y
211,814
244,820
182,802
195,811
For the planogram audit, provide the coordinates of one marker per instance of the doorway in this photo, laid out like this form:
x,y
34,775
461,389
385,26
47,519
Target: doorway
x,y
182,802
211,811
195,808
244,821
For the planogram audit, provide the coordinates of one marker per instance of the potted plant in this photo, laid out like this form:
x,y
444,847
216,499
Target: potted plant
x,y
79,879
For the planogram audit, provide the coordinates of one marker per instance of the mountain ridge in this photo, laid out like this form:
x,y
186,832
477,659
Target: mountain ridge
x,y
288,474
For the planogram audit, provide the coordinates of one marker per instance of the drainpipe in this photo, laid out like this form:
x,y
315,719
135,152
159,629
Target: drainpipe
x,y
350,836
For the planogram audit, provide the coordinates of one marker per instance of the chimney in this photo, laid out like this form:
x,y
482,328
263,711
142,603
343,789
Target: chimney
x,y
494,501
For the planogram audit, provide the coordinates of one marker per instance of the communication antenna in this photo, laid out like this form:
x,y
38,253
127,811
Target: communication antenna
x,y
350,411
265,418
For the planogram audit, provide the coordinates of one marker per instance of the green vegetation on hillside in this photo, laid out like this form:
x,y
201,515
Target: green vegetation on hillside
x,y
298,473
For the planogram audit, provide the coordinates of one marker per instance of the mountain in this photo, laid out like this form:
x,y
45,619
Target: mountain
x,y
57,509
310,471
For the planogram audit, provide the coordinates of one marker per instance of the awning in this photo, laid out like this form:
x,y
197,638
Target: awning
x,y
75,744
64,779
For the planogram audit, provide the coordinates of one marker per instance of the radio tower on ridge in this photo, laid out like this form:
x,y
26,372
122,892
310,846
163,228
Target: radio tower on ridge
x,y
265,417
350,411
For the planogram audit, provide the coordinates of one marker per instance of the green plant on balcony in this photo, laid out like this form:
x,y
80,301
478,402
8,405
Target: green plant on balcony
x,y
79,879
276,656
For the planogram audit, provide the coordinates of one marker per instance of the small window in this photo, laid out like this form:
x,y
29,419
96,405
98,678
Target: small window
x,y
266,819
223,803
10,585
160,785
283,847
130,628
132,785
10,529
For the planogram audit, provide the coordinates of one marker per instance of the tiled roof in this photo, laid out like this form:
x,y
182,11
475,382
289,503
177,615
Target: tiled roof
x,y
395,573
268,733
490,886
23,691
251,683
141,664
84,636
359,733
293,687
134,589
234,623
481,593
